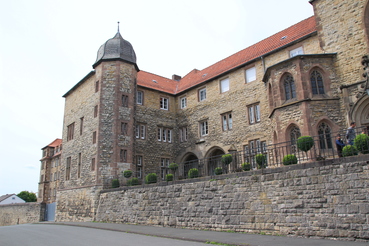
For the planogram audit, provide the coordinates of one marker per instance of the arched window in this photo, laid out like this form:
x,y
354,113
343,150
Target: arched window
x,y
294,135
317,85
325,140
289,87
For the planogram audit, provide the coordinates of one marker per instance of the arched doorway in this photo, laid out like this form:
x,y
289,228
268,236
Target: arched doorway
x,y
360,112
190,161
214,160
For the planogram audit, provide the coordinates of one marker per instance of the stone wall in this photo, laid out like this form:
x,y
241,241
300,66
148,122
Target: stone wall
x,y
21,213
319,199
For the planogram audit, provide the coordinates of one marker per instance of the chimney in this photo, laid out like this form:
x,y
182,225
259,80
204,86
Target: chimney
x,y
176,77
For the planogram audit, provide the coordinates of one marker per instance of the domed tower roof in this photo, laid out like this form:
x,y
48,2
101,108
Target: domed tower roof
x,y
116,48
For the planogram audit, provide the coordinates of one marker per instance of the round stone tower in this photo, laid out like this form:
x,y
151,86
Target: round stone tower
x,y
116,74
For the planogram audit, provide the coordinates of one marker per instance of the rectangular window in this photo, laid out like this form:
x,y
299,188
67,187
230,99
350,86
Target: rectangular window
x,y
67,168
123,155
164,103
183,134
164,163
204,130
139,98
96,86
81,125
124,128
94,137
224,85
164,134
70,131
183,102
139,166
124,101
159,133
140,131
79,165
297,51
254,113
227,121
93,163
202,94
96,108
250,75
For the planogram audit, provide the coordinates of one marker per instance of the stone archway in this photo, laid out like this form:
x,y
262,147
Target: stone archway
x,y
190,161
214,160
360,112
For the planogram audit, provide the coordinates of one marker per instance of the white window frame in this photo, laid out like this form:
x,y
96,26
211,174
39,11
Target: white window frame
x,y
250,74
204,128
164,103
202,94
139,166
164,164
183,102
159,133
183,134
224,85
227,121
139,97
297,51
254,113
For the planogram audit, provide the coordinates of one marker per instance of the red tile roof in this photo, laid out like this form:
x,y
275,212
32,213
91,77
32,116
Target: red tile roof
x,y
195,77
54,143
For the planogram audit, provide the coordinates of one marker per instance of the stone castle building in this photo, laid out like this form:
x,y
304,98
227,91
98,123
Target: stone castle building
x,y
299,81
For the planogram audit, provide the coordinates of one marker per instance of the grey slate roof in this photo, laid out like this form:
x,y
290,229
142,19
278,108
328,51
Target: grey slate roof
x,y
116,48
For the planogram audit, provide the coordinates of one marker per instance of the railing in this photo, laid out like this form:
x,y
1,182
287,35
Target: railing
x,y
324,148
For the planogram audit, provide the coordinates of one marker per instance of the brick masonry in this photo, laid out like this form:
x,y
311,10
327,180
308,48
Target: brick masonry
x,y
320,199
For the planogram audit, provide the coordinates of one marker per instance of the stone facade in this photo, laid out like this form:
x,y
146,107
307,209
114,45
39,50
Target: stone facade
x,y
120,118
314,200
21,213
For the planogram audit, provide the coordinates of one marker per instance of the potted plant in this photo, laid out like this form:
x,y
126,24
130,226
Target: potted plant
x,y
246,166
289,159
218,171
361,143
127,174
226,159
193,173
305,143
115,183
349,150
151,178
169,177
260,160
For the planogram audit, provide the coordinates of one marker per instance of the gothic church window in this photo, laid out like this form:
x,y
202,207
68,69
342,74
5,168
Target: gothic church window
x,y
294,135
289,87
325,139
317,85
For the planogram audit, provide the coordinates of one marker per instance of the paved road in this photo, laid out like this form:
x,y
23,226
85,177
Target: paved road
x,y
61,235
91,234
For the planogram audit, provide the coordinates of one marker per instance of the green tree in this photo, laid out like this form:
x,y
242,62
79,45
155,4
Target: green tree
x,y
27,196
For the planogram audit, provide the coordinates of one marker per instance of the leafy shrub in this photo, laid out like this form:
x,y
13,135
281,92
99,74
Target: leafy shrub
x,y
132,182
193,173
246,166
261,160
226,159
289,160
218,171
361,143
349,150
173,167
169,177
115,183
151,178
305,143
127,174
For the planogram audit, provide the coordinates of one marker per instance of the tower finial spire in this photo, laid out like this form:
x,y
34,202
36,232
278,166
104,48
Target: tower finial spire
x,y
118,26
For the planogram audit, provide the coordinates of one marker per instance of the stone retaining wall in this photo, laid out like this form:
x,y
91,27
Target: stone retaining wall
x,y
321,199
21,213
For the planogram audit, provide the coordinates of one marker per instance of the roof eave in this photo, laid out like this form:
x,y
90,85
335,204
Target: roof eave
x,y
79,83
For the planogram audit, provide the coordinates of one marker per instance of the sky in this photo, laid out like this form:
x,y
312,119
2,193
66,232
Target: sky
x,y
46,47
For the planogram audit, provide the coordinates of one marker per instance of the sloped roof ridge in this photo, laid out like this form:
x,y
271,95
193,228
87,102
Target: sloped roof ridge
x,y
157,75
263,40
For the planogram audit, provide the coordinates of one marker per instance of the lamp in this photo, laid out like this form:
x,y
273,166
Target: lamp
x,y
365,63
